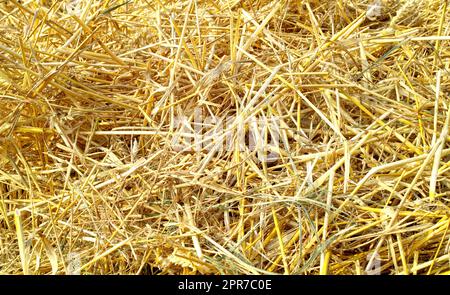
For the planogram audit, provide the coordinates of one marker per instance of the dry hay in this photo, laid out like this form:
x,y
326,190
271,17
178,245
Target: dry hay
x,y
91,183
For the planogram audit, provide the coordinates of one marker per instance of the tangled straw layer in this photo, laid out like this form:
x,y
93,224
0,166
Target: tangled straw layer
x,y
90,181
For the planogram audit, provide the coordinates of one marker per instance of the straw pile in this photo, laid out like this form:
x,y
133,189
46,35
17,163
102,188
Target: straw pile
x,y
91,183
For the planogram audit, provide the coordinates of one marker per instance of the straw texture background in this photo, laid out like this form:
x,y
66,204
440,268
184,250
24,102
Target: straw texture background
x,y
90,182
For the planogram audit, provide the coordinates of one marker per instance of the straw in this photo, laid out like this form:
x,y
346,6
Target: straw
x,y
126,133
